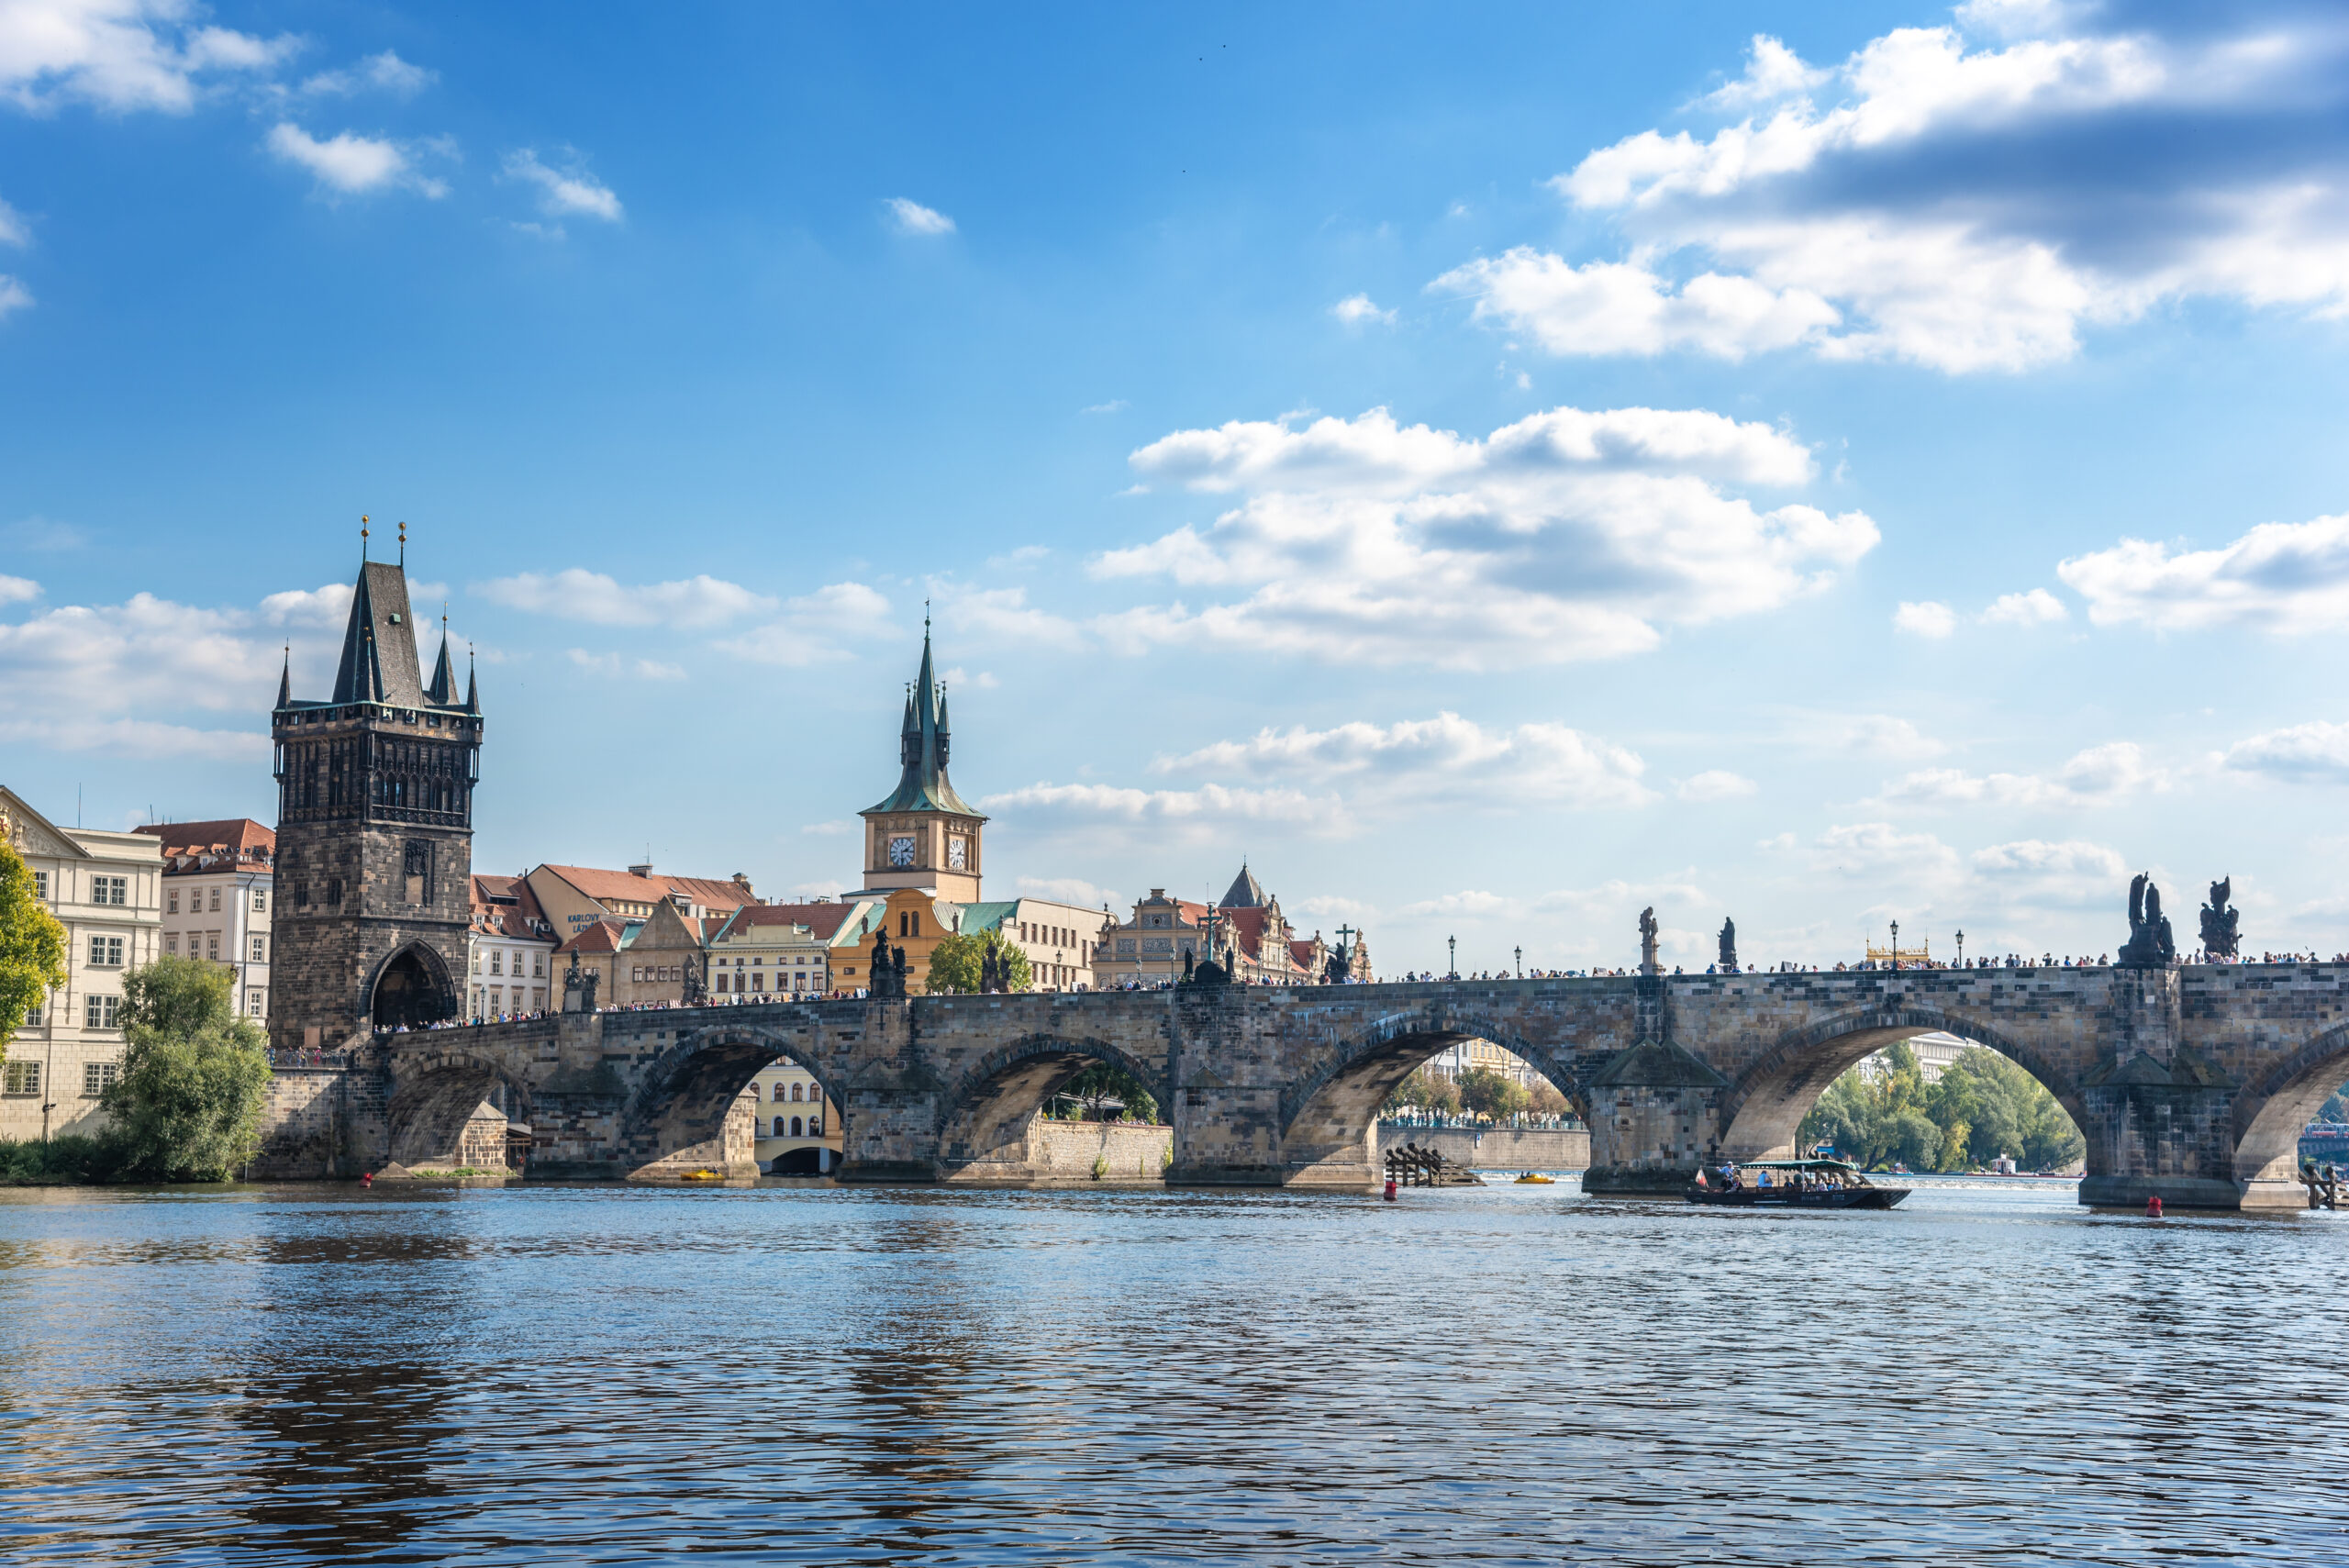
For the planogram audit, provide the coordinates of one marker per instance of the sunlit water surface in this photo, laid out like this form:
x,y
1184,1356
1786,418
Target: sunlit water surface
x,y
1511,1374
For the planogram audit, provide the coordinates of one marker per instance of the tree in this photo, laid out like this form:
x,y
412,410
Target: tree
x,y
1100,1083
1982,1107
1424,1091
954,962
194,1075
32,946
1547,1101
1496,1095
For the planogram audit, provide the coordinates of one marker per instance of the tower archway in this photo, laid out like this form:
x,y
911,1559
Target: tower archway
x,y
412,990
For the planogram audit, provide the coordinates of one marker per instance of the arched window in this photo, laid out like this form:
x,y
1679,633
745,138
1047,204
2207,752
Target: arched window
x,y
778,1127
794,1092
794,1126
815,1126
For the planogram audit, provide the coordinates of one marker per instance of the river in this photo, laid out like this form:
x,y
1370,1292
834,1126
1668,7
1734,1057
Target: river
x,y
1514,1375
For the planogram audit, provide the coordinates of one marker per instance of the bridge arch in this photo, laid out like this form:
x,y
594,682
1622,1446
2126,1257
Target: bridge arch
x,y
412,987
984,1116
1329,1111
1764,1105
2270,1111
677,1117
435,1093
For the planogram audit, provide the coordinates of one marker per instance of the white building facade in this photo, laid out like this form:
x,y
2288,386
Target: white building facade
x,y
106,889
218,890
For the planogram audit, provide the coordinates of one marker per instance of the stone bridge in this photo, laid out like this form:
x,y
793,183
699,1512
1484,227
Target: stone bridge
x,y
2190,1082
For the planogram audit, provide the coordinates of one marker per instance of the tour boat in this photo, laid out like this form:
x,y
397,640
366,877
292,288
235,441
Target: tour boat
x,y
1795,1184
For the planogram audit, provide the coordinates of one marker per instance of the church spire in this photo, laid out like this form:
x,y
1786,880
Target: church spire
x,y
286,681
921,747
473,689
443,689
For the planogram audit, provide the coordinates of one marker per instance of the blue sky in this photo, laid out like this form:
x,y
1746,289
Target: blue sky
x,y
1495,469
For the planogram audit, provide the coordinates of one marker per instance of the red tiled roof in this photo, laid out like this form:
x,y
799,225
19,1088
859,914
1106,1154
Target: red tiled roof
x,y
821,919
1301,954
239,837
504,907
605,885
599,936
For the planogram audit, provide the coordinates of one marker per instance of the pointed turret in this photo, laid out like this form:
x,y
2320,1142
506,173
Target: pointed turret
x,y
286,683
943,747
921,750
909,734
443,689
1245,893
473,687
379,646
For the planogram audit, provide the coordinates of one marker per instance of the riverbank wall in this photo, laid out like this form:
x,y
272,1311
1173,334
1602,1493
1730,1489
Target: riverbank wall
x,y
1129,1152
1496,1148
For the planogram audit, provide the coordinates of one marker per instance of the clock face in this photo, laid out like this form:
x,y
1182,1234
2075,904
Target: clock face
x,y
957,853
901,852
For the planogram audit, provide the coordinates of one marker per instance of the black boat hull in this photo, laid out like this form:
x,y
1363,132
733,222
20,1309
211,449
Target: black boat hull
x,y
1788,1197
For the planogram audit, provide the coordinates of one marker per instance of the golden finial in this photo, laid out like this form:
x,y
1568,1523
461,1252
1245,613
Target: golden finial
x,y
403,543
363,536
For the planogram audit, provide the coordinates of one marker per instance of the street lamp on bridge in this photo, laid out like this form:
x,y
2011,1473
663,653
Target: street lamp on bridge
x,y
1521,963
1452,945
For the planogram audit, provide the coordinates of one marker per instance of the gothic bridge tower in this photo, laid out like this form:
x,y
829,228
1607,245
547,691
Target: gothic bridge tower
x,y
924,835
375,831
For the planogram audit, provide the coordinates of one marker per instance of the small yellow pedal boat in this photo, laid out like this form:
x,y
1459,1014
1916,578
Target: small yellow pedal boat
x,y
1531,1180
704,1174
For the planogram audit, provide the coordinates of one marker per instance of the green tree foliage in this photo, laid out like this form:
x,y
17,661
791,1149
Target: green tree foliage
x,y
1547,1101
195,1076
1983,1107
1100,1084
32,946
1496,1095
2337,1108
1424,1091
954,962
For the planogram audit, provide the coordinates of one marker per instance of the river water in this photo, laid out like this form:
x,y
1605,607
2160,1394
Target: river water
x,y
1514,1375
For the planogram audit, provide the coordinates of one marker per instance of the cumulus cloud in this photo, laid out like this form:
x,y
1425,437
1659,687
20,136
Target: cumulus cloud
x,y
912,217
575,594
569,192
384,73
352,164
13,589
2093,777
1357,310
1446,757
2317,752
822,628
1190,813
1925,619
1567,535
12,227
123,54
1715,784
2037,608
2281,577
1963,202
1003,614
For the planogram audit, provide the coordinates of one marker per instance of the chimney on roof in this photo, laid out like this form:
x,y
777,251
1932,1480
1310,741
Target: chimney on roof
x,y
743,883
644,869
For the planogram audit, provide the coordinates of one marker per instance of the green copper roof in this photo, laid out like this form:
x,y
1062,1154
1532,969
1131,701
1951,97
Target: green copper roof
x,y
921,748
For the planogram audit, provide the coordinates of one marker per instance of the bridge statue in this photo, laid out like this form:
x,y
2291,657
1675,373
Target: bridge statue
x,y
2149,945
1648,962
2219,935
1729,946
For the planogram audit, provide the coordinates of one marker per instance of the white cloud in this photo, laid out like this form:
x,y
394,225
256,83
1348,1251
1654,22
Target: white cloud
x,y
1879,854
912,217
564,193
384,73
12,227
838,828
1924,618
13,589
575,594
1072,890
353,164
1190,811
2093,777
325,607
2304,753
2037,608
1443,758
121,54
1471,902
1115,405
1969,208
1567,535
1614,308
2279,577
1003,614
1715,784
2072,873
1357,310
820,627
137,738
613,664
1864,734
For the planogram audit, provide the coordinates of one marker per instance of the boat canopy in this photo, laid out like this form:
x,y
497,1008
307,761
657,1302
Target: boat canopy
x,y
1794,1165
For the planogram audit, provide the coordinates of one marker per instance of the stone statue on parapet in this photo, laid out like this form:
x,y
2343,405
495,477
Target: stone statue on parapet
x,y
1648,962
1729,946
2149,945
2220,937
879,968
695,991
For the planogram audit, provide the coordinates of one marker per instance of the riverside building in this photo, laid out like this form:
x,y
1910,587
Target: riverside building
x,y
218,882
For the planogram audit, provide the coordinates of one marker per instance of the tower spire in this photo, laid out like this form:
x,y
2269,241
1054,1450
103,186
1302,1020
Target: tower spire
x,y
286,681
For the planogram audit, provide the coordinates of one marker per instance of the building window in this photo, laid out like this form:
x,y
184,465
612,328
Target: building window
x,y
170,941
172,904
40,886
33,1014
794,1126
334,891
215,901
101,1012
815,1126
212,946
110,889
257,949
20,1078
260,901
778,1124
106,951
537,966
496,961
97,1075
254,1006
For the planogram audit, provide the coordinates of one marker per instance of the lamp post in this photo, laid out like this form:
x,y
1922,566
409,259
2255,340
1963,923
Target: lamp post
x,y
1521,963
1960,950
1895,944
1452,945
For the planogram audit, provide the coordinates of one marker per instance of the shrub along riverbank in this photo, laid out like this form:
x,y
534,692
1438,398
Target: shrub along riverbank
x,y
188,1105
1983,1106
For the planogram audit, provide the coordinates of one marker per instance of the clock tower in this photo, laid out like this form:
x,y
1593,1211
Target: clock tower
x,y
924,836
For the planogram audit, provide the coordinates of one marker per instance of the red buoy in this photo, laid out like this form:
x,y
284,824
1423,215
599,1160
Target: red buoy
x,y
366,1178
2154,1206
1390,1189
